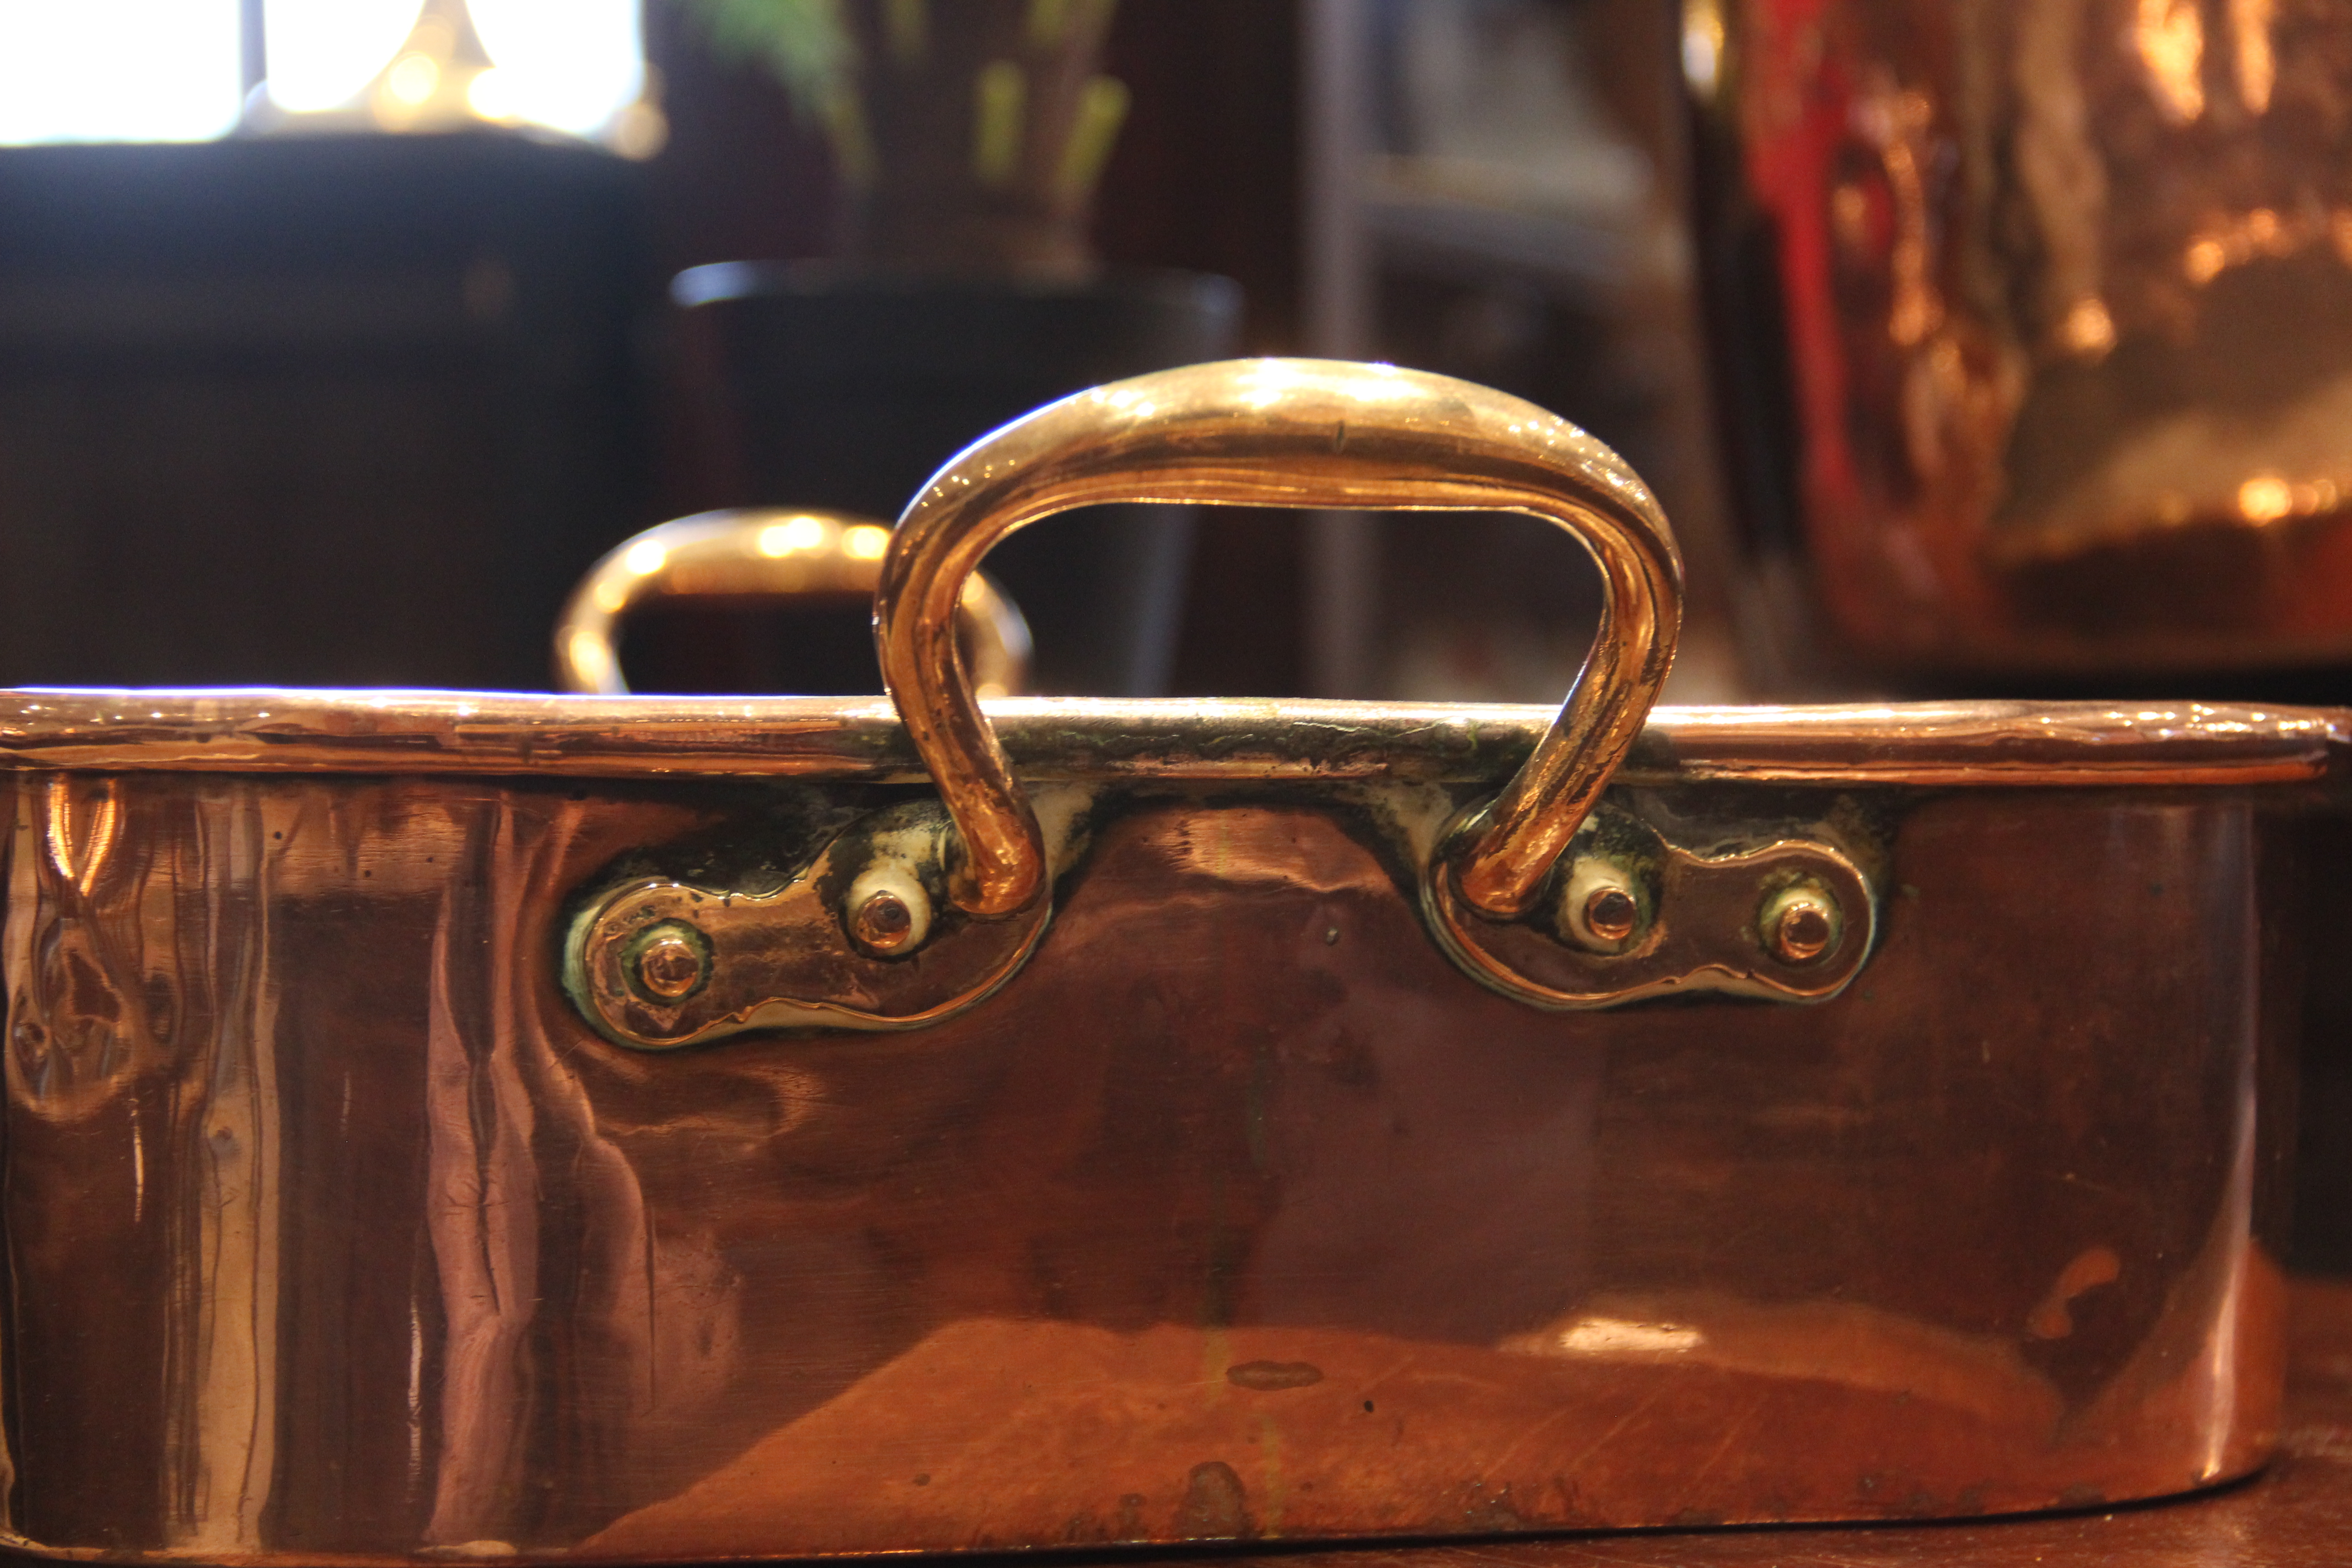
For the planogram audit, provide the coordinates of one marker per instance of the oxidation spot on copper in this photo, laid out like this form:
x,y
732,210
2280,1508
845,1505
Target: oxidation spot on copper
x,y
1266,1376
1215,1507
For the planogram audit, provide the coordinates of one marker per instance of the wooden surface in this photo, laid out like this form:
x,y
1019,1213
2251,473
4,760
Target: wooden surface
x,y
2297,1514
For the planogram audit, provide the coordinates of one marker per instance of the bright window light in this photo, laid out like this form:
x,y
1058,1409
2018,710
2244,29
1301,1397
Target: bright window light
x,y
120,70
173,71
569,65
323,53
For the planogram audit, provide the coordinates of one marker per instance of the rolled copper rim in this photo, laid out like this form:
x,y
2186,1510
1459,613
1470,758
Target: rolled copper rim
x,y
856,738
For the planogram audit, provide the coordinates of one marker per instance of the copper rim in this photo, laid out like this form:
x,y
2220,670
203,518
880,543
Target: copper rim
x,y
412,733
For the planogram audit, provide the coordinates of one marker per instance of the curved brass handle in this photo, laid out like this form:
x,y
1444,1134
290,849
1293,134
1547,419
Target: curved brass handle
x,y
763,553
1283,433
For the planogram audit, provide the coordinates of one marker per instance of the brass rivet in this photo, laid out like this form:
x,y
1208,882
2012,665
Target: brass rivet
x,y
883,923
1800,925
1600,910
1611,913
670,967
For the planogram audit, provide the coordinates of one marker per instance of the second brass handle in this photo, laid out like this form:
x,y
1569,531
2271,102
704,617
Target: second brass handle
x,y
1283,433
768,554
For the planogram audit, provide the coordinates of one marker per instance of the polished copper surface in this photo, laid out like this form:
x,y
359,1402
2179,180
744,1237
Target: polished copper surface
x,y
2036,322
333,1231
764,553
1286,433
2297,1514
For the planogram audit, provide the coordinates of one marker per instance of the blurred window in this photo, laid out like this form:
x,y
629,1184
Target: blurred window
x,y
321,55
184,71
120,70
569,65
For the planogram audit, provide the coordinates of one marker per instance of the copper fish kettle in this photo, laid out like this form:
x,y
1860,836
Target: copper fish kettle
x,y
448,1126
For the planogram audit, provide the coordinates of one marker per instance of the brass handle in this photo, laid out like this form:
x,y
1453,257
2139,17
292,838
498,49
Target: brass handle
x,y
1283,433
763,553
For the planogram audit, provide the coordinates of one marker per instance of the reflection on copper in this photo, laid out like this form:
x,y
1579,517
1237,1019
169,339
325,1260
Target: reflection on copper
x,y
1592,1336
2170,37
2257,64
1897,123
2266,498
1702,45
82,824
2089,330
2237,238
2058,288
2204,259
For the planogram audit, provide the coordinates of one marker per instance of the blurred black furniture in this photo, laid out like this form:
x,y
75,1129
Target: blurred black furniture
x,y
351,410
849,391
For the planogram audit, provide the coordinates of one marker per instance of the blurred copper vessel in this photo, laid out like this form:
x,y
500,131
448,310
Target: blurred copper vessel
x,y
627,1129
2034,324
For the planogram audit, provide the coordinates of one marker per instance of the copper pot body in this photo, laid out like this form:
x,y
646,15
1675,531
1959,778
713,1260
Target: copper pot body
x,y
2034,325
334,1232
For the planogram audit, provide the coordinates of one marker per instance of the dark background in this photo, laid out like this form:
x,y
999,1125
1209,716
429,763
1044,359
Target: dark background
x,y
1206,176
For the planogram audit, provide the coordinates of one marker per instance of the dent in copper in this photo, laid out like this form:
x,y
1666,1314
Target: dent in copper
x,y
1238,1212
